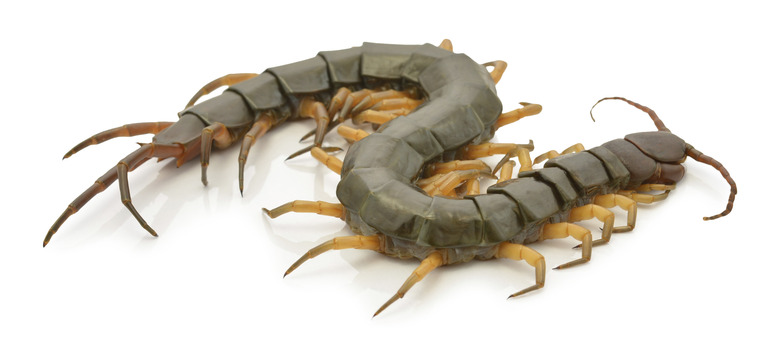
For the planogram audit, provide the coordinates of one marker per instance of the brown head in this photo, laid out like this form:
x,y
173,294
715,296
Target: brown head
x,y
655,157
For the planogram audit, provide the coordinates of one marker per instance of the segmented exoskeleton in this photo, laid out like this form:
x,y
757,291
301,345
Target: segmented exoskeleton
x,y
401,186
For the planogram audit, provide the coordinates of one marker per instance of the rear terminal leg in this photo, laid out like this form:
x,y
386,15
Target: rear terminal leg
x,y
226,80
122,131
431,262
125,165
129,163
519,252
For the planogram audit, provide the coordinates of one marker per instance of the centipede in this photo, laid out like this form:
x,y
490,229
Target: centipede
x,y
411,186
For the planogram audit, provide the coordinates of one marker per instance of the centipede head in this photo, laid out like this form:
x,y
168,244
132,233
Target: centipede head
x,y
669,151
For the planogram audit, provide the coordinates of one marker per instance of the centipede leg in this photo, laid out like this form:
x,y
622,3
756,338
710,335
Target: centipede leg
x,y
472,187
498,70
625,203
330,161
226,80
519,252
647,198
316,110
553,154
259,128
401,103
509,150
125,165
506,171
122,131
318,207
565,229
221,138
373,98
335,105
590,211
441,168
379,117
351,101
445,184
348,242
351,134
527,110
446,44
431,262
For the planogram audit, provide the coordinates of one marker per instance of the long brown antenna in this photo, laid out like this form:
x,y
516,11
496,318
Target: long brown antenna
x,y
658,123
701,157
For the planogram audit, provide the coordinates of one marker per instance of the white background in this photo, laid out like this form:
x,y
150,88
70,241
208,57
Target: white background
x,y
213,279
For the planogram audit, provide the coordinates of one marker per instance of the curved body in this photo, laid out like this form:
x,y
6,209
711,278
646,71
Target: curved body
x,y
378,192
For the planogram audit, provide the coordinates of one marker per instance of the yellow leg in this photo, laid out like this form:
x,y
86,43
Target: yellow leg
x,y
446,167
318,207
565,229
352,100
520,252
348,242
472,187
506,171
351,134
446,44
378,117
647,198
337,102
445,184
374,98
528,109
625,203
498,70
552,154
590,211
330,161
522,152
431,262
